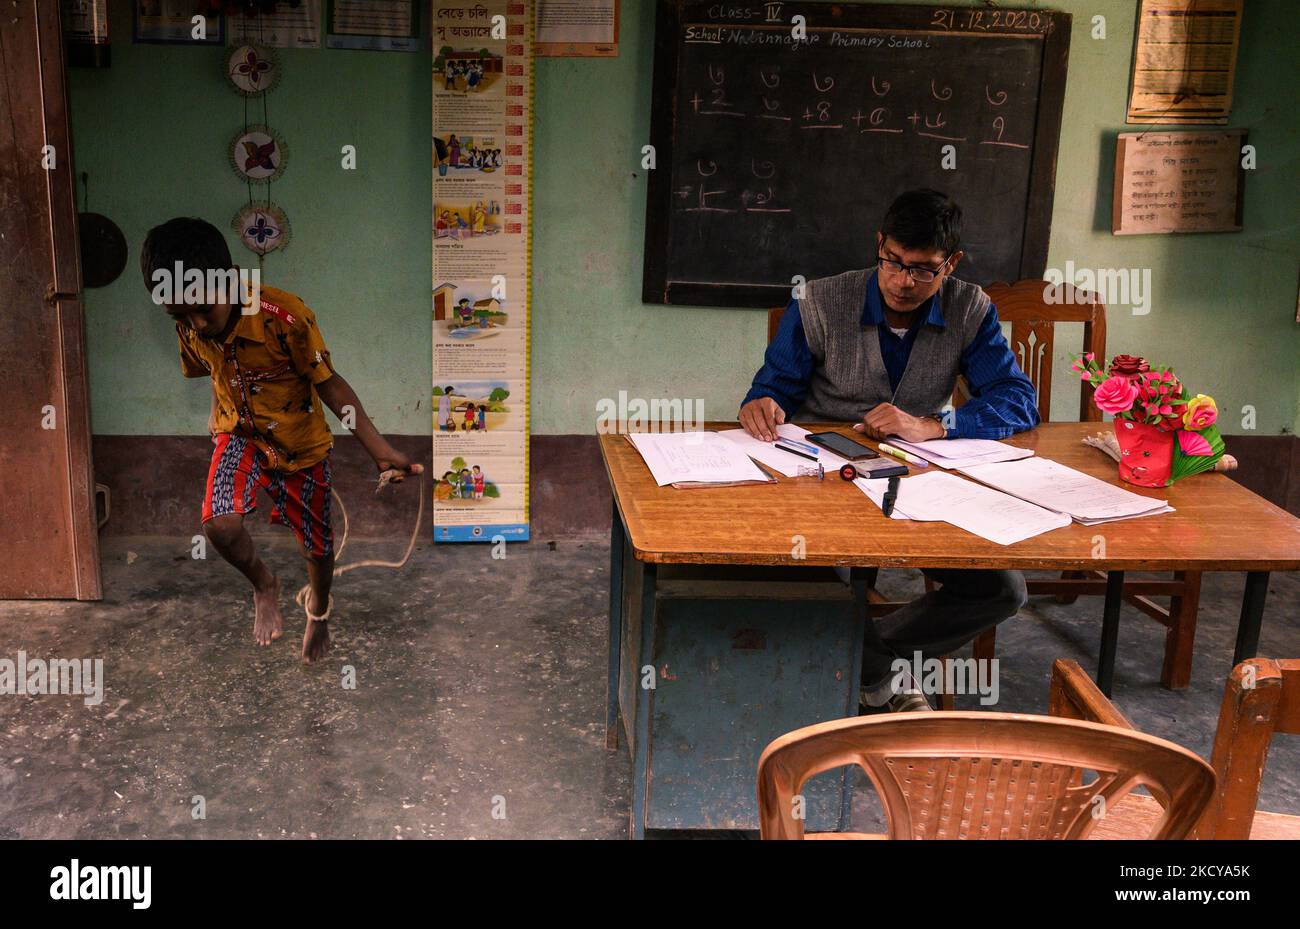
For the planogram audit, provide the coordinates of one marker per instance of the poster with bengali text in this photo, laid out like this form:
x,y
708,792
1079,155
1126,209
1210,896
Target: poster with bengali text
x,y
482,162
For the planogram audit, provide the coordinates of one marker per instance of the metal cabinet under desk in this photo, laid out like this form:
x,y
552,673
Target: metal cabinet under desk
x,y
714,662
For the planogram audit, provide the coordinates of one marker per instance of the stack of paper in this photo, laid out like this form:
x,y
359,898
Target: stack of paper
x,y
962,453
693,458
934,496
1085,499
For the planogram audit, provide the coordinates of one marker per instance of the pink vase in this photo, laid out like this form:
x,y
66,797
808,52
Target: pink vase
x,y
1146,453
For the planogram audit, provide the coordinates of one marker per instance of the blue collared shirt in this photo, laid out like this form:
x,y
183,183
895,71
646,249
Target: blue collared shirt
x,y
1002,401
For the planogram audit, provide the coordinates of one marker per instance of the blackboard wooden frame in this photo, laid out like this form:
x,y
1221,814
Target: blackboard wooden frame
x,y
1054,26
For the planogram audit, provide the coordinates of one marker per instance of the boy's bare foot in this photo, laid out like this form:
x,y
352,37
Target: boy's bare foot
x,y
315,641
267,622
316,638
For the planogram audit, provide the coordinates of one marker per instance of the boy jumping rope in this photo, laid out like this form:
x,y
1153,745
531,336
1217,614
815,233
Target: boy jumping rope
x,y
270,372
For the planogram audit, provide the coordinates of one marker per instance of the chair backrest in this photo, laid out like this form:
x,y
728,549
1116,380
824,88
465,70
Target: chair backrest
x,y
965,775
773,322
1262,697
1034,307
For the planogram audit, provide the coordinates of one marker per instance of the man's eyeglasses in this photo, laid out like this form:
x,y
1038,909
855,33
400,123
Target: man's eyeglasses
x,y
918,273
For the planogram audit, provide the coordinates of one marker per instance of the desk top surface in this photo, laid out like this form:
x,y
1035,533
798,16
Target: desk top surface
x,y
1219,525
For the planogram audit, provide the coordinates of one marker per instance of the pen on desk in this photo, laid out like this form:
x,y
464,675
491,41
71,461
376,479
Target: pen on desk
x,y
811,449
795,451
891,495
899,453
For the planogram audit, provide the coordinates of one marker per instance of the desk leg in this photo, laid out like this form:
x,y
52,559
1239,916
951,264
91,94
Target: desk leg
x,y
1252,616
1110,630
617,543
641,751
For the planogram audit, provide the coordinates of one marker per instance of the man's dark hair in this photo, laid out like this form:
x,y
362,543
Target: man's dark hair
x,y
924,219
195,243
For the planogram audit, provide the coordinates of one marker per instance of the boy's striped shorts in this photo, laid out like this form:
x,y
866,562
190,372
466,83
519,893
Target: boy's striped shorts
x,y
300,499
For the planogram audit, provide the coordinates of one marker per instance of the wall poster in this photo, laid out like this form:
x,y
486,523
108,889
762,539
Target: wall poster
x,y
482,165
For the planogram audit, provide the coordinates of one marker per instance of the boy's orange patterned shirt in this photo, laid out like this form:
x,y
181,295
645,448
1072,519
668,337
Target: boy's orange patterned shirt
x,y
264,375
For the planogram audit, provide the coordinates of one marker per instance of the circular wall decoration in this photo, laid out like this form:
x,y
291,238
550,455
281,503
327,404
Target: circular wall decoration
x,y
252,69
103,249
262,227
258,154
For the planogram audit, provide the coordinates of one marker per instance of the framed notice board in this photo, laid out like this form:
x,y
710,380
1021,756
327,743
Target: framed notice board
x,y
777,155
1178,182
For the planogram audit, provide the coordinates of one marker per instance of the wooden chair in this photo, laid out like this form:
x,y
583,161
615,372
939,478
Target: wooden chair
x,y
984,775
1262,697
1025,305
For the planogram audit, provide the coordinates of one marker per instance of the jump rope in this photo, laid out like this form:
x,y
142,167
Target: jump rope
x,y
391,475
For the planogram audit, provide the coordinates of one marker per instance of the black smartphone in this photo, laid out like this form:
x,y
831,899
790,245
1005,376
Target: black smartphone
x,y
841,445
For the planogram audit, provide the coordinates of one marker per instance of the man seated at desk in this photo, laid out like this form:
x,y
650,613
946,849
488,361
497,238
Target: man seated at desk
x,y
882,348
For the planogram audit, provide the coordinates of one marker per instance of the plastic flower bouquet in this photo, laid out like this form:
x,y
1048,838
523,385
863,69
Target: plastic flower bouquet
x,y
1164,432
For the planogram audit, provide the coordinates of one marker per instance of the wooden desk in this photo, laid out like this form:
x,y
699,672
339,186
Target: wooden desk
x,y
1219,526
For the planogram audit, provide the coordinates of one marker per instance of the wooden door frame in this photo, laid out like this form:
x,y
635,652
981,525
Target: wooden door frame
x,y
63,298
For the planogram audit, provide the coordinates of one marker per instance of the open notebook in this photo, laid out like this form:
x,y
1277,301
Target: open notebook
x,y
1085,499
696,459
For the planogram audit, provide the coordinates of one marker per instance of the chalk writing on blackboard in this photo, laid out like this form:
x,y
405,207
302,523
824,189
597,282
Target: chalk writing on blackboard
x,y
820,104
782,146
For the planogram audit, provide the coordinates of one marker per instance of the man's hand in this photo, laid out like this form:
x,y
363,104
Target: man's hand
x,y
761,417
886,419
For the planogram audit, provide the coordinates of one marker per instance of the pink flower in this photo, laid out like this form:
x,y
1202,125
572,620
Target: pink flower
x,y
1116,394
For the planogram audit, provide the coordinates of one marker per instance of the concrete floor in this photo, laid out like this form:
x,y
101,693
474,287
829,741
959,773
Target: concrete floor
x,y
480,690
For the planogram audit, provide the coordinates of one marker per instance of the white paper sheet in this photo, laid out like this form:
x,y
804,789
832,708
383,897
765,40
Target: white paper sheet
x,y
960,453
700,457
875,489
769,454
1052,485
982,511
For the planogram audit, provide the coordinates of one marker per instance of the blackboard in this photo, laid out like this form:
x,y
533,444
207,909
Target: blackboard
x,y
776,156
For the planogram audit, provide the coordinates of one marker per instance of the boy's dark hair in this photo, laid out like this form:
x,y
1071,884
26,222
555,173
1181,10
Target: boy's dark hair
x,y
924,218
195,243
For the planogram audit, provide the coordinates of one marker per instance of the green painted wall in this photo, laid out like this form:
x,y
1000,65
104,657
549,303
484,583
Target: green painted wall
x,y
152,132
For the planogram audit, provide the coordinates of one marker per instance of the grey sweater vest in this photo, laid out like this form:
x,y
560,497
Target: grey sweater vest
x,y
849,376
